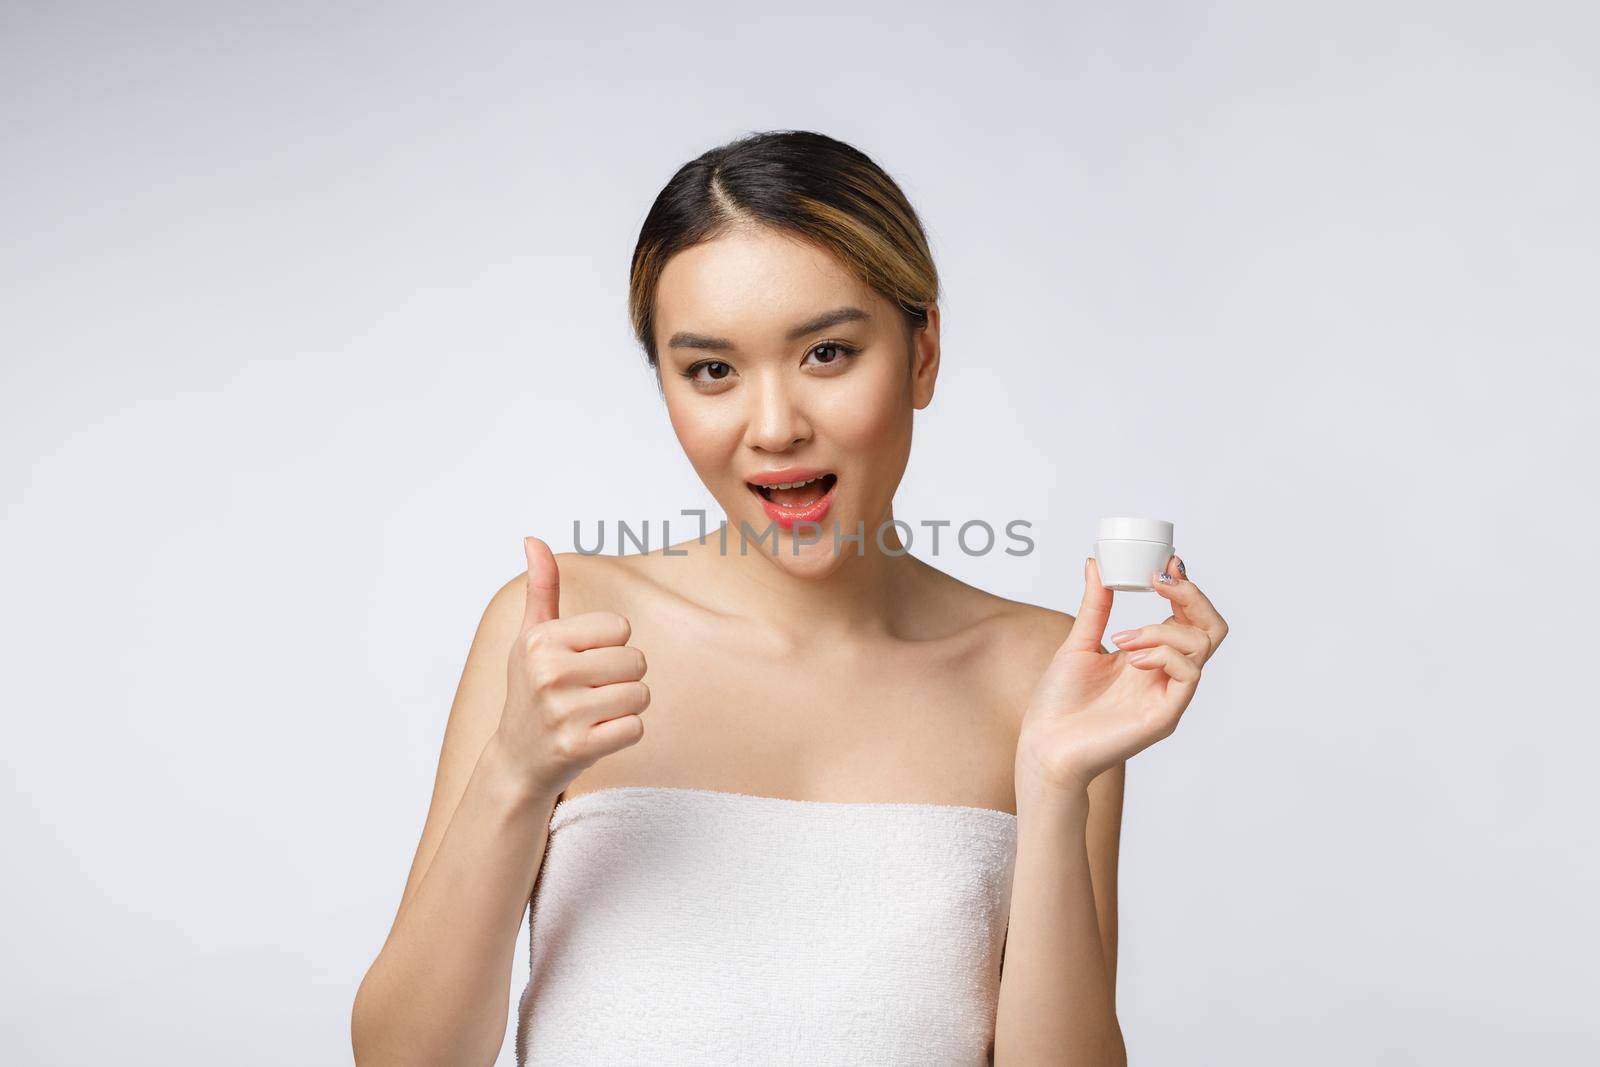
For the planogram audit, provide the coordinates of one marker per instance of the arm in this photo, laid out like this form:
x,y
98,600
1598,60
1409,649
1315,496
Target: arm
x,y
1088,714
1058,979
439,989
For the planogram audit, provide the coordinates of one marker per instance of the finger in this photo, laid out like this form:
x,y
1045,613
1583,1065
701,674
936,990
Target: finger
x,y
610,701
607,664
592,629
1190,640
1180,668
1090,625
1189,604
544,584
615,734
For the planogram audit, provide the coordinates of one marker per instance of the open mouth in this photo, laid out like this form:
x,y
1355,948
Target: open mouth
x,y
801,495
808,501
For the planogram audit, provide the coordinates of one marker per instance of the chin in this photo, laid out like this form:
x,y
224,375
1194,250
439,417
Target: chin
x,y
809,558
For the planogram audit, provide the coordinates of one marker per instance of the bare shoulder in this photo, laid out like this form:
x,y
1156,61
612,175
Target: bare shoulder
x,y
1016,640
1022,638
1033,630
1009,627
585,580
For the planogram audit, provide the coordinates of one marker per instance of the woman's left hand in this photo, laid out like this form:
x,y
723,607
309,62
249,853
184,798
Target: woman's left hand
x,y
1092,710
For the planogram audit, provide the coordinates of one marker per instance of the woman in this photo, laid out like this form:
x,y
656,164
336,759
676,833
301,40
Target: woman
x,y
875,815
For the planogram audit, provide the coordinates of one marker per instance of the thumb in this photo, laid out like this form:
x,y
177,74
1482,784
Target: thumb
x,y
544,583
1095,612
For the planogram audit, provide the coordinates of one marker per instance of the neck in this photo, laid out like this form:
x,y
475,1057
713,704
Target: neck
x,y
816,597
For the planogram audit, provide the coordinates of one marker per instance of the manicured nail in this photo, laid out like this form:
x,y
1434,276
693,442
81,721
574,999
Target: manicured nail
x,y
1166,579
1181,568
1123,635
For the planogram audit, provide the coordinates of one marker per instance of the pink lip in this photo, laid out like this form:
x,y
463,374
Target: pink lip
x,y
788,474
787,517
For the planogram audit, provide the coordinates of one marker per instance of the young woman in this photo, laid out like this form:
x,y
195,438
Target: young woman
x,y
874,817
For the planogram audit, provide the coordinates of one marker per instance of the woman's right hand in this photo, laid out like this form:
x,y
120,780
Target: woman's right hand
x,y
573,686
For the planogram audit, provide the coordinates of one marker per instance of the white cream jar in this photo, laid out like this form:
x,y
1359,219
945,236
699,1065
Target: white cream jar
x,y
1130,550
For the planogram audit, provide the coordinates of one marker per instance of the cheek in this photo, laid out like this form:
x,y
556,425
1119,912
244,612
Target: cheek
x,y
707,433
871,419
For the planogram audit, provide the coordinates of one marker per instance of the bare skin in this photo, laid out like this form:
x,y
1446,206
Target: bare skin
x,y
921,702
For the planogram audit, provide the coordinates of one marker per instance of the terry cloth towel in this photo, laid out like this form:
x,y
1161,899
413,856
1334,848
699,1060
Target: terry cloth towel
x,y
691,926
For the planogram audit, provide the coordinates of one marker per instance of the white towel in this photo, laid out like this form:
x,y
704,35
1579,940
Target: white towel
x,y
691,926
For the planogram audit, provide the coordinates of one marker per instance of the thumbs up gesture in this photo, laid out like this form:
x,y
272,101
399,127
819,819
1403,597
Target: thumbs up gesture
x,y
573,686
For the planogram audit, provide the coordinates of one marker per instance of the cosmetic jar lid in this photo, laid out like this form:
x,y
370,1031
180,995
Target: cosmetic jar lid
x,y
1132,529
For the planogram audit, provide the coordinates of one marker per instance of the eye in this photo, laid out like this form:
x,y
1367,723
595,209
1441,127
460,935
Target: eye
x,y
840,350
719,369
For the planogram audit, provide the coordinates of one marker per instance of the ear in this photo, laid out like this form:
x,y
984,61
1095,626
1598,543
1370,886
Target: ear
x,y
925,359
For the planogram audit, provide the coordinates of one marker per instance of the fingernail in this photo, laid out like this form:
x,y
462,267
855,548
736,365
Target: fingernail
x,y
1166,579
1181,568
1122,636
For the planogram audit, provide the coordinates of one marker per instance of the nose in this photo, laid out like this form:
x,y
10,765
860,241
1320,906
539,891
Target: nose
x,y
774,421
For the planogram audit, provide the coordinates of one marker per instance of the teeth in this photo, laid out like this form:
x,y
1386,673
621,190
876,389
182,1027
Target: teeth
x,y
793,485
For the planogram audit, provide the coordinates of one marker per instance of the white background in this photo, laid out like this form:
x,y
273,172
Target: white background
x,y
311,311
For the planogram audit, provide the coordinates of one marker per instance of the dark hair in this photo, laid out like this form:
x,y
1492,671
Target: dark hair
x,y
803,183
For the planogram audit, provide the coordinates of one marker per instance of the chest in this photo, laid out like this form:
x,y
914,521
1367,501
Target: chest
x,y
877,721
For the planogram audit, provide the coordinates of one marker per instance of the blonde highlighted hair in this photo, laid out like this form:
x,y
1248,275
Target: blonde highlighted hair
x,y
802,183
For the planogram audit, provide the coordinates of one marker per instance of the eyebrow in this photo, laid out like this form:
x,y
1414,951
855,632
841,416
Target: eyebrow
x,y
820,322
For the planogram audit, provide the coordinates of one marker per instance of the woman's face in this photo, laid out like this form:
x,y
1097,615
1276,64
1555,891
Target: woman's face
x,y
774,358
